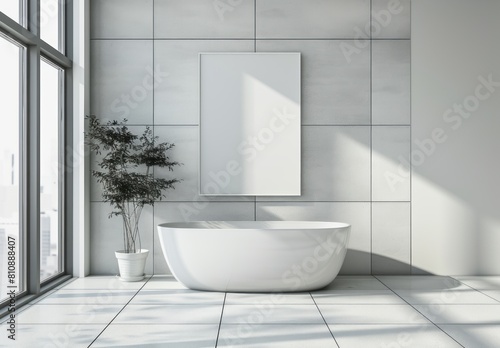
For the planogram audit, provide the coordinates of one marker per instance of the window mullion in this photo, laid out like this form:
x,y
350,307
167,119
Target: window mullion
x,y
23,173
34,17
63,169
16,31
33,98
54,55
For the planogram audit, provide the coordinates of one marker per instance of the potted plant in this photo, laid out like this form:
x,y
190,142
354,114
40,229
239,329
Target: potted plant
x,y
128,182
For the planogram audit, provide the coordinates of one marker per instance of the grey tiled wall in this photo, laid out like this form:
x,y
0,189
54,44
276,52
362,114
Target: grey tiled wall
x,y
355,113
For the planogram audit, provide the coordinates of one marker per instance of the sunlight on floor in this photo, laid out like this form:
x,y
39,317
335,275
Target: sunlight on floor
x,y
353,311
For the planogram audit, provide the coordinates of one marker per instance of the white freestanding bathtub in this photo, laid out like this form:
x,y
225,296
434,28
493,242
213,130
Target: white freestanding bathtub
x,y
254,256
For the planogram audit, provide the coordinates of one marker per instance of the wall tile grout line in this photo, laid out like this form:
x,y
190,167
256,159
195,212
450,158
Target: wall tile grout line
x,y
324,320
356,125
255,25
153,254
267,202
371,137
121,310
411,170
255,210
255,50
399,304
303,125
408,303
159,125
342,305
220,321
249,39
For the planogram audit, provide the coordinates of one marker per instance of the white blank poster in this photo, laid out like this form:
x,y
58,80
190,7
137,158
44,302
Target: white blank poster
x,y
250,124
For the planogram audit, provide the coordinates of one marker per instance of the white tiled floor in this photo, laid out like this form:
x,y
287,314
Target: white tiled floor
x,y
353,311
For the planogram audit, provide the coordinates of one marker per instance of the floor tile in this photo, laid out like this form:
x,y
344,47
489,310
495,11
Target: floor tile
x,y
356,297
169,314
275,336
474,336
271,314
362,311
461,314
46,335
178,297
495,294
454,296
150,336
481,282
434,289
96,297
103,283
166,282
371,314
69,314
356,283
19,310
271,298
408,336
427,283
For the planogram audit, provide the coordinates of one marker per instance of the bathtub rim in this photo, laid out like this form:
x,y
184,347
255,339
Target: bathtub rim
x,y
254,225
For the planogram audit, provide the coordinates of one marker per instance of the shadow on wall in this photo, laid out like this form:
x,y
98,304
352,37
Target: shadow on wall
x,y
380,265
385,265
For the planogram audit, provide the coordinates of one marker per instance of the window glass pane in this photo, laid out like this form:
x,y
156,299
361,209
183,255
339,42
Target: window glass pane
x,y
11,238
51,22
50,169
13,9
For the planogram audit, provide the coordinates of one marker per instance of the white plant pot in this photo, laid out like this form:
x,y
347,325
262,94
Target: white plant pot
x,y
131,265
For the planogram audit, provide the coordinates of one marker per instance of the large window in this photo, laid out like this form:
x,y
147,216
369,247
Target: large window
x,y
13,9
51,169
51,22
34,64
11,112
